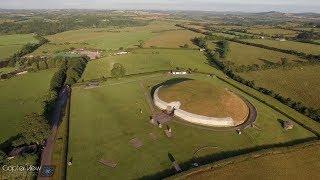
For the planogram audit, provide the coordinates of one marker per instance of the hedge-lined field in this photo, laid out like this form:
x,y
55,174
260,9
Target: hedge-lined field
x,y
273,31
300,162
9,44
289,45
241,54
300,84
104,119
20,95
148,60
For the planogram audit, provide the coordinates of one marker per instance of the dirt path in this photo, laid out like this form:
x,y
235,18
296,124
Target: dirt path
x,y
55,119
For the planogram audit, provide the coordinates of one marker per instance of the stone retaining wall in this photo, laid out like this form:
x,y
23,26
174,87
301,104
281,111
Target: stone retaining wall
x,y
190,117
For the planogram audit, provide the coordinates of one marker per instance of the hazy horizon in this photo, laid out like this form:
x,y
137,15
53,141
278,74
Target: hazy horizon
x,y
200,5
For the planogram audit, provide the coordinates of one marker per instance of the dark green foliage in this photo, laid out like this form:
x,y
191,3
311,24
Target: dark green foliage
x,y
3,157
223,48
118,70
34,128
200,41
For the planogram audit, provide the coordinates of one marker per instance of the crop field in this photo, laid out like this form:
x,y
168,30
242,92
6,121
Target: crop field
x,y
300,84
290,45
104,119
173,39
242,54
148,60
282,165
272,31
9,44
21,95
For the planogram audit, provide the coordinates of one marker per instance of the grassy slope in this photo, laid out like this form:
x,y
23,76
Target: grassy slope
x,y
147,60
299,163
21,95
291,45
273,31
242,54
9,44
172,39
300,84
103,120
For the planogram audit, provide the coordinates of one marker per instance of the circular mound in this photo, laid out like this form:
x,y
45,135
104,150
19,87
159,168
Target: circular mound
x,y
205,99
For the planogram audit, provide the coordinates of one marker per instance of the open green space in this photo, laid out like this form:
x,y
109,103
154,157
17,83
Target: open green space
x,y
300,84
20,95
294,163
148,60
9,44
241,54
173,39
272,31
104,119
289,45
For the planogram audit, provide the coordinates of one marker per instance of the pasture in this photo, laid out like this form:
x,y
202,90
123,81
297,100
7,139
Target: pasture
x,y
104,119
10,44
278,164
241,54
300,84
20,95
289,45
272,31
173,39
148,60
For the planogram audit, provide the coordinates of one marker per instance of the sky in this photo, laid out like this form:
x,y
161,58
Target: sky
x,y
207,5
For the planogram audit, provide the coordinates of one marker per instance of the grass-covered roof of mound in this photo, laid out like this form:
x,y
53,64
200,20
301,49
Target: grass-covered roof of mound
x,y
205,98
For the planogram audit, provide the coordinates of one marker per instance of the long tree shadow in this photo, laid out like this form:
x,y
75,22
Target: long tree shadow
x,y
221,156
7,145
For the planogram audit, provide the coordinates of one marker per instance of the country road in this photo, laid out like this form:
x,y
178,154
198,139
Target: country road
x,y
55,119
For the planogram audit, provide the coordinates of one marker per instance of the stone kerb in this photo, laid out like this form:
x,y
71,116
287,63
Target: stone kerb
x,y
190,117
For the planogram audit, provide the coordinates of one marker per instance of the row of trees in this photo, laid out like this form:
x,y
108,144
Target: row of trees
x,y
26,49
53,24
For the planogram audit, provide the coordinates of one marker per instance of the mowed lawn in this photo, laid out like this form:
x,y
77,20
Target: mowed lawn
x,y
273,31
241,54
10,44
297,163
148,60
103,121
300,84
21,95
289,45
173,39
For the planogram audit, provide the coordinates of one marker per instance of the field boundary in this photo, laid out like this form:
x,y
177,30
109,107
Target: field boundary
x,y
245,157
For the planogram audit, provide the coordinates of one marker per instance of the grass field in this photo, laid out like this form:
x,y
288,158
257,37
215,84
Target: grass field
x,y
104,120
148,60
9,44
273,31
242,54
300,84
21,95
172,39
296,163
290,45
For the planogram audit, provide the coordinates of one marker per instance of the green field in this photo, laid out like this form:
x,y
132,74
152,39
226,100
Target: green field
x,y
241,54
289,45
300,84
9,44
148,60
21,95
294,163
104,120
272,31
172,39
